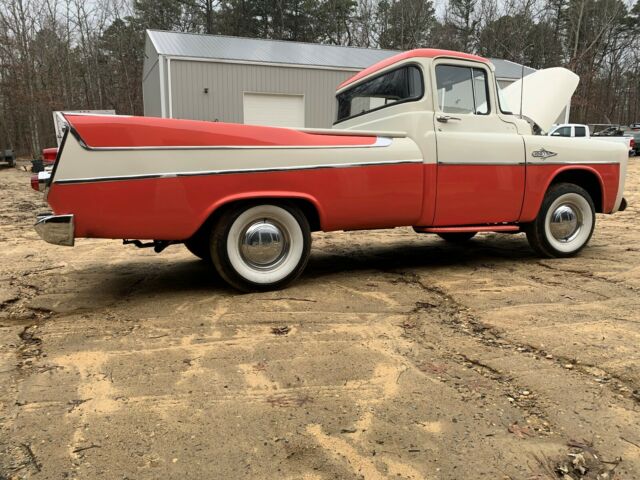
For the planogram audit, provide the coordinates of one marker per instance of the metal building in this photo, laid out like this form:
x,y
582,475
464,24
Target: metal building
x,y
262,82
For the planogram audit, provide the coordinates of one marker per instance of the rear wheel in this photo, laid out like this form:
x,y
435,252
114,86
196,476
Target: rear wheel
x,y
261,247
565,222
457,237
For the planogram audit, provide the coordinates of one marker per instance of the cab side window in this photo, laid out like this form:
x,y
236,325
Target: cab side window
x,y
580,131
462,90
401,85
562,132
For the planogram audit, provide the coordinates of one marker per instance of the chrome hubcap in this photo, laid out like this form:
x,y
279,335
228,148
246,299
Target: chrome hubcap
x,y
565,222
264,244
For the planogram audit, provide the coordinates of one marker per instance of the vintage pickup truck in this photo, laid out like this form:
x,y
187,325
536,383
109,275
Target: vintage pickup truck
x,y
421,139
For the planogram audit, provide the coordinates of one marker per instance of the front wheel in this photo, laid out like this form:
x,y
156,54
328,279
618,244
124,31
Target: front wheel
x,y
565,222
261,247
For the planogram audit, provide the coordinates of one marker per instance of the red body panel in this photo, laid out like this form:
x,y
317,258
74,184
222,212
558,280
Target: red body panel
x,y
345,198
49,155
539,178
115,131
476,194
419,52
174,208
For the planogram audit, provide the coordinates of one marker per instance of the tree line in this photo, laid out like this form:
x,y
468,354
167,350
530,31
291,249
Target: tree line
x,y
73,54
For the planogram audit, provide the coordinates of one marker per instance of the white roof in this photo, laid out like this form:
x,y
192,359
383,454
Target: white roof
x,y
268,51
220,47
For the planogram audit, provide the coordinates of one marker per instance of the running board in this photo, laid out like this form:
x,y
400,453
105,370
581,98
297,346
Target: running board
x,y
469,228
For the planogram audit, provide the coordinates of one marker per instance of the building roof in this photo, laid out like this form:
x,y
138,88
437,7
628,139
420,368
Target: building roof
x,y
265,51
219,47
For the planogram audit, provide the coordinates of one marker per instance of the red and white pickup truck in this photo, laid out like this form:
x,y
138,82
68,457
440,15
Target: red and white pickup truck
x,y
421,140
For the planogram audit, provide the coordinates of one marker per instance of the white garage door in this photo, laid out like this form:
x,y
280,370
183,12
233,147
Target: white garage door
x,y
274,109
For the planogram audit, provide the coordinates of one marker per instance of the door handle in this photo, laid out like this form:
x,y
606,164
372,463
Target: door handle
x,y
446,118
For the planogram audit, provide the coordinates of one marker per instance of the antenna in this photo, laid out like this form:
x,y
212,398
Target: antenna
x,y
521,87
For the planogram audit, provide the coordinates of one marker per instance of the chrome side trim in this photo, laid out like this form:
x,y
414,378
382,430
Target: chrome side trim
x,y
353,132
483,164
236,171
56,229
383,142
586,164
534,163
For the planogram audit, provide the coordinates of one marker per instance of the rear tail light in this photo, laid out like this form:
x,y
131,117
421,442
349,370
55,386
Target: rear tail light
x,y
633,143
35,182
49,155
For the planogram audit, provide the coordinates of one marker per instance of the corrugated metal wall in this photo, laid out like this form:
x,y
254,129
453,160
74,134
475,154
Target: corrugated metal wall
x,y
227,82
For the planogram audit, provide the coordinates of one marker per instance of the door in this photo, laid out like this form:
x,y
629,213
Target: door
x,y
481,171
276,110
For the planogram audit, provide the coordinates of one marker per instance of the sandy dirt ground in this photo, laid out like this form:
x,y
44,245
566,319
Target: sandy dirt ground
x,y
394,356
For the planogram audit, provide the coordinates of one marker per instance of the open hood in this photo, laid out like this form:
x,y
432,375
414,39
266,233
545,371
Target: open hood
x,y
545,93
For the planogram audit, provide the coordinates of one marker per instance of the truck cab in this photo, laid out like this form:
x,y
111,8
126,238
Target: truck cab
x,y
482,163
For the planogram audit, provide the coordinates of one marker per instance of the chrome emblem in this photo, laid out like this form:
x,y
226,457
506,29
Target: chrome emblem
x,y
543,154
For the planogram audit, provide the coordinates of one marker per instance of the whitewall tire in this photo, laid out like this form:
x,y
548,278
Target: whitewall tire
x,y
565,222
258,247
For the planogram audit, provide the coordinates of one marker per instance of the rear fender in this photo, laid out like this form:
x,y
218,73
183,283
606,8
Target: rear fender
x,y
257,195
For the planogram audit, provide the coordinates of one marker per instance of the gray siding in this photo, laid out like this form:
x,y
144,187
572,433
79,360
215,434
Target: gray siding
x,y
227,83
151,93
150,57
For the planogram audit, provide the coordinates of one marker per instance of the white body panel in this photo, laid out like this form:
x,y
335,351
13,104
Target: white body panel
x,y
82,164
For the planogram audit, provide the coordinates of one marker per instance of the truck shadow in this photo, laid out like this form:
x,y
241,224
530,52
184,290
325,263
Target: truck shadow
x,y
416,256
140,280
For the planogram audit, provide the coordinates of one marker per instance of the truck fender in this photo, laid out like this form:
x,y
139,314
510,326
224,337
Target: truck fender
x,y
255,195
534,193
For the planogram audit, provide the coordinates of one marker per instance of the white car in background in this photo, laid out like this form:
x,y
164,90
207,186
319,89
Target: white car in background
x,y
579,130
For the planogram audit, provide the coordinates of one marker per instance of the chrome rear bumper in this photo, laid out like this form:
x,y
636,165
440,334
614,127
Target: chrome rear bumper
x,y
56,229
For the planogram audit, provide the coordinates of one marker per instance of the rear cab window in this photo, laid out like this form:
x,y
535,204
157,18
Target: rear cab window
x,y
403,84
462,90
